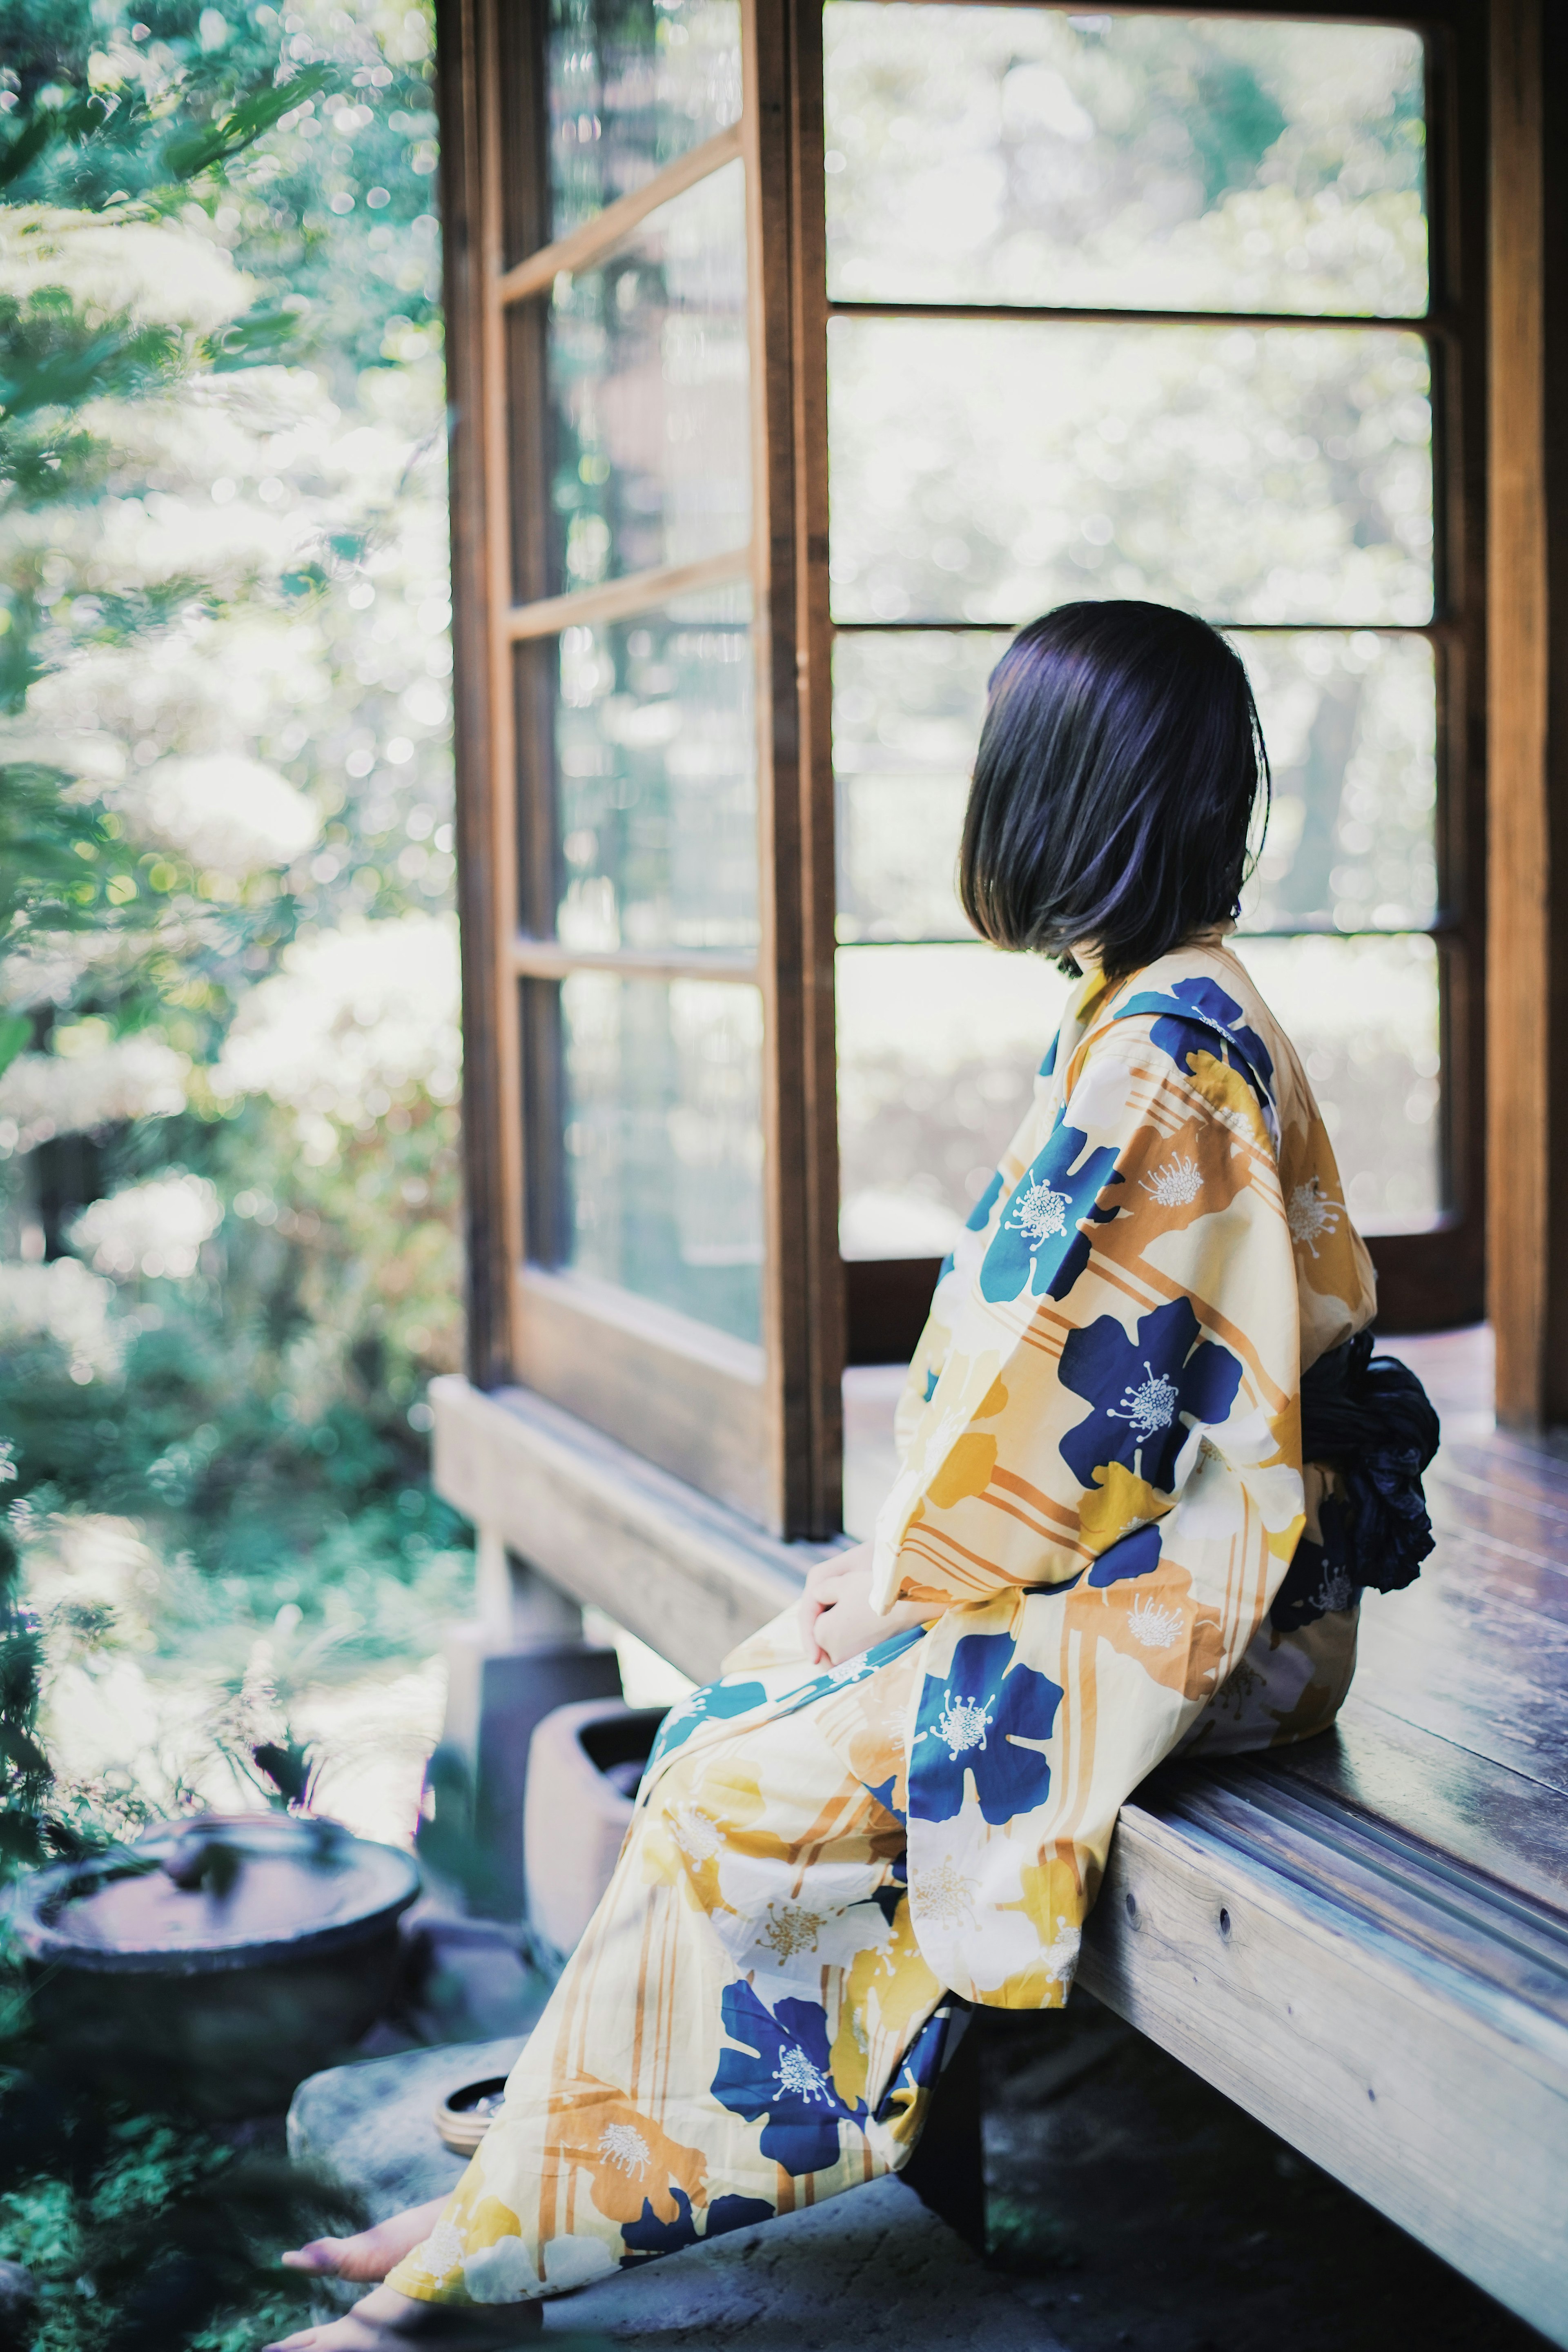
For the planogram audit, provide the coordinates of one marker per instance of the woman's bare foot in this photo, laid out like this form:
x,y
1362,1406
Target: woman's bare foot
x,y
388,2322
373,2253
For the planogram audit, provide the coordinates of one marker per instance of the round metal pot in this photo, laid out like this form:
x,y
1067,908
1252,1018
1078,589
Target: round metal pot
x,y
217,1962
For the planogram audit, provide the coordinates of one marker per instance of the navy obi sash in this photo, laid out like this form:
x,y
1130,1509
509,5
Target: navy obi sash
x,y
1369,1418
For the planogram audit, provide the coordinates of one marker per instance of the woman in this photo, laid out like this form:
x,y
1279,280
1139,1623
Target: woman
x,y
1107,1541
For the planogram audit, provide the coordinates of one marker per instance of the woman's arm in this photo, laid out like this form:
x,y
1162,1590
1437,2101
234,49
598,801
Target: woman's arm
x,y
1106,1488
1148,1223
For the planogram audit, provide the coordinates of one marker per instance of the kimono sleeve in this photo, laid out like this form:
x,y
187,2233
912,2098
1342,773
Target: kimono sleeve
x,y
1133,1294
1106,1488
961,1266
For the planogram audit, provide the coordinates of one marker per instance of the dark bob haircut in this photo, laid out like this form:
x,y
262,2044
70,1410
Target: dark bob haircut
x,y
1119,768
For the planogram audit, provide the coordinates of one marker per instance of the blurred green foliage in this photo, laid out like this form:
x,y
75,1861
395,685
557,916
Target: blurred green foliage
x,y
144,2236
219,448
163,106
223,736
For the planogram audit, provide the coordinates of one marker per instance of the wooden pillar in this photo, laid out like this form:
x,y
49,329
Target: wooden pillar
x,y
488,1086
1528,718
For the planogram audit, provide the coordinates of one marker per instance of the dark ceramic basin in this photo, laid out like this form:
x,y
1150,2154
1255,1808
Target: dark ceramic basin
x,y
216,1963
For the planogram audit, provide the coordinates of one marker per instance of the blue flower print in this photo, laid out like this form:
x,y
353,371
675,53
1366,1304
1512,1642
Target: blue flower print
x,y
783,2072
727,2213
973,1722
1037,1245
1194,1007
895,1891
853,1670
1145,1392
649,2236
978,1216
715,1701
921,2061
975,1222
1133,1554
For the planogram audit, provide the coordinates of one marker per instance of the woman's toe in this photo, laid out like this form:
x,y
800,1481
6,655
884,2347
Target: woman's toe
x,y
320,2257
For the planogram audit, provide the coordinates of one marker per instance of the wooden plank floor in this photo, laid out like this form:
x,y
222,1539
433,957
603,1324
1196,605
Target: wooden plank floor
x,y
1457,1726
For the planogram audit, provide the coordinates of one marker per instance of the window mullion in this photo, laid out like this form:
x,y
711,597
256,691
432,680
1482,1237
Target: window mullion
x,y
512,1142
583,247
617,599
1434,324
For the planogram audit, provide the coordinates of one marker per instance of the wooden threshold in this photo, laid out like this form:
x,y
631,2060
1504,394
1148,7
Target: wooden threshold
x,y
549,960
675,1568
1426,1281
605,230
688,1397
1429,324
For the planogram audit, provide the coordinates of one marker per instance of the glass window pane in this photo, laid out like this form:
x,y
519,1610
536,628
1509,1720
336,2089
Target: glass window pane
x,y
985,471
938,1047
1350,722
663,1126
1139,161
1363,1015
634,84
656,778
906,718
924,1112
647,372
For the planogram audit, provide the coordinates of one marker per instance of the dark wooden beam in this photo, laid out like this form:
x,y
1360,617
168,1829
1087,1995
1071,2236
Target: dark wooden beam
x,y
1527,731
458,52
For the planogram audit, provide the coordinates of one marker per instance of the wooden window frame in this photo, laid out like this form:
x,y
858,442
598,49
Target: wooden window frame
x,y
760,1429
1433,1278
1527,1269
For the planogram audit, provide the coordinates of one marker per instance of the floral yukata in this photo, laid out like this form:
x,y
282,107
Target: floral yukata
x,y
1100,1496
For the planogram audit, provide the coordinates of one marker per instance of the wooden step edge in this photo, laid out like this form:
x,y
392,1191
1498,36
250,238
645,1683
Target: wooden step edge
x,y
1315,1839
1477,1968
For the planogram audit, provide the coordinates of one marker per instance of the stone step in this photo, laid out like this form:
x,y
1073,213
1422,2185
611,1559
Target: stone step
x,y
873,2267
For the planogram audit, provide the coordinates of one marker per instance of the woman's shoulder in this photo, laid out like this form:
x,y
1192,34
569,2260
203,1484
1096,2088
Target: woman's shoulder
x,y
1205,981
1203,990
1197,999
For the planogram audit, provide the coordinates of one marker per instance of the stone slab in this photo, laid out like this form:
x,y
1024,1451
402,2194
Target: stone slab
x,y
873,2267
374,2123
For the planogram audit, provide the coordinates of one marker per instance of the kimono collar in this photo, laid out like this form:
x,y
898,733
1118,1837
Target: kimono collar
x,y
1188,997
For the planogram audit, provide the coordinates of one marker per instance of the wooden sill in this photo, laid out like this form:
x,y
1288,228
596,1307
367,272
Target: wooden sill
x,y
684,1574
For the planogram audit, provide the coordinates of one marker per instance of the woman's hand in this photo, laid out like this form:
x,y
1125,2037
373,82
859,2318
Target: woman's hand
x,y
838,1620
